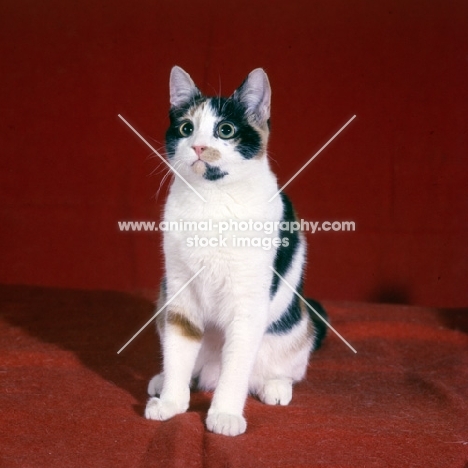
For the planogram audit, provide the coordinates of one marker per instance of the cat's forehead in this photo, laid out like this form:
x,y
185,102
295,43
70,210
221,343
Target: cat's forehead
x,y
204,117
201,110
212,108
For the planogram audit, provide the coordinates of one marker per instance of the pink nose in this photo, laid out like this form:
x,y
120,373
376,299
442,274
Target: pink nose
x,y
199,150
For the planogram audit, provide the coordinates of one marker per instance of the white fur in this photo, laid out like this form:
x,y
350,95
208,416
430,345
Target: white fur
x,y
230,300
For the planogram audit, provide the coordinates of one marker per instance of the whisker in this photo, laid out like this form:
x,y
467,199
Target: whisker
x,y
271,158
158,169
155,141
168,174
213,88
160,150
160,162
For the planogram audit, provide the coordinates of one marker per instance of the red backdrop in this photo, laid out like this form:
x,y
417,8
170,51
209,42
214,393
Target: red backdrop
x,y
70,169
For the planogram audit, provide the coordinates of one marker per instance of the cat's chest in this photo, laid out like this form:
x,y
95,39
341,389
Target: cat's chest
x,y
216,226
217,208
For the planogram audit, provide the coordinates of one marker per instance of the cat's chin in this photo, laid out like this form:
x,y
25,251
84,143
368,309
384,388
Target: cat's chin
x,y
199,167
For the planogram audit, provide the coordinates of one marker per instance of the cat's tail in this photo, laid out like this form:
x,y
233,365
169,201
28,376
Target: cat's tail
x,y
319,325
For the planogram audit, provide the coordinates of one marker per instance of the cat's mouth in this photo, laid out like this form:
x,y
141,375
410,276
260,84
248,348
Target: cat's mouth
x,y
207,171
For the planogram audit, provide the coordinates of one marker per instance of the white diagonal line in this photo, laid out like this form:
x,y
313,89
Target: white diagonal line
x,y
158,312
313,310
162,159
312,158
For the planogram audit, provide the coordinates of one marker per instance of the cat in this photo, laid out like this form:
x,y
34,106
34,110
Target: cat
x,y
237,327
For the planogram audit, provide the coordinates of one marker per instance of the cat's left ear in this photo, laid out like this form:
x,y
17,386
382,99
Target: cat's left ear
x,y
255,94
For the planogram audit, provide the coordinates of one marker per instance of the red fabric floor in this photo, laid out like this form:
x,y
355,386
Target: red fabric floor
x,y
70,169
68,400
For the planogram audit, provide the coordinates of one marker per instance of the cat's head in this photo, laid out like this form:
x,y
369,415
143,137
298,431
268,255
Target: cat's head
x,y
214,138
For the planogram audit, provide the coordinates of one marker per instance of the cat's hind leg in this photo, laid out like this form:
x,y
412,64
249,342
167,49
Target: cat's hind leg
x,y
155,385
276,391
208,364
281,361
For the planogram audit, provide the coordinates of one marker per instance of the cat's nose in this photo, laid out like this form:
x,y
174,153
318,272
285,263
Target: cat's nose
x,y
199,149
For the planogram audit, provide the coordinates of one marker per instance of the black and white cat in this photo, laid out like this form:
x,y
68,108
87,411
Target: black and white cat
x,y
236,328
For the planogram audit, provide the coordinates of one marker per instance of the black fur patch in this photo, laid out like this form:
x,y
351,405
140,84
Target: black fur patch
x,y
319,325
213,173
288,320
248,140
285,255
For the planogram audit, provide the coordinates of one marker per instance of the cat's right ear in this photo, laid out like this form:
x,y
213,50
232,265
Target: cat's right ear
x,y
182,88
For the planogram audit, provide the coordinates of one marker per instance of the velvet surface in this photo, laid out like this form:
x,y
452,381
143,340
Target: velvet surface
x,y
67,399
70,169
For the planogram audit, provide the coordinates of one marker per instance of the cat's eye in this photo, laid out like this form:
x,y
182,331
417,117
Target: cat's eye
x,y
226,130
185,128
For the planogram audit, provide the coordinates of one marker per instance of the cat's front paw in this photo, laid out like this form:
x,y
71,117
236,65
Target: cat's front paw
x,y
276,392
160,410
226,424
